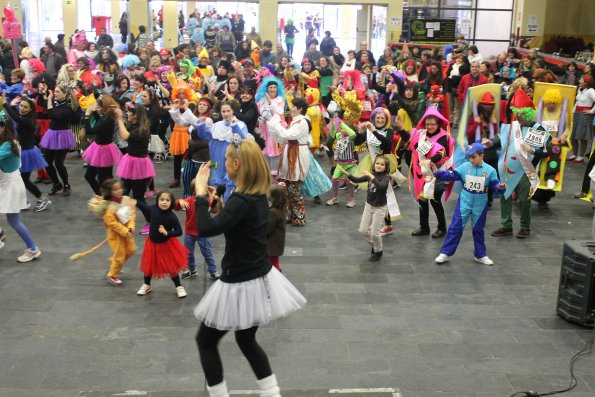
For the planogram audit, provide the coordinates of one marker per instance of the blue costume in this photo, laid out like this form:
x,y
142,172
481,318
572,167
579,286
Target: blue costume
x,y
473,202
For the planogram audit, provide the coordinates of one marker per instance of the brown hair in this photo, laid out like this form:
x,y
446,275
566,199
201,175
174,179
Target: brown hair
x,y
253,176
278,196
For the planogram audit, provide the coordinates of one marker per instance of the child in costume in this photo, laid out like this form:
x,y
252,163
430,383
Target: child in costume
x,y
344,155
375,208
178,143
163,255
277,196
119,215
192,236
437,100
477,178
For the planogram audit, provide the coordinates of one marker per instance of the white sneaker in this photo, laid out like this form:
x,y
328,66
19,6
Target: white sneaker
x,y
181,292
144,290
441,258
29,255
332,201
350,204
484,260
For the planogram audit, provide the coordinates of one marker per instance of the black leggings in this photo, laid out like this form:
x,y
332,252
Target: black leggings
x,y
55,160
138,188
424,209
178,166
175,279
96,176
208,338
586,179
30,185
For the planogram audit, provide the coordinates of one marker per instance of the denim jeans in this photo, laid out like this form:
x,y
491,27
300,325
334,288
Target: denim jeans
x,y
205,249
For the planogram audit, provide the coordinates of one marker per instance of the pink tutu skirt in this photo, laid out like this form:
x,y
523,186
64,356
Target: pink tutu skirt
x,y
131,167
165,259
102,155
58,140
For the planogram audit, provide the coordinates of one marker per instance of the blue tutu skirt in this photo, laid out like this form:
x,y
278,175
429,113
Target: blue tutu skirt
x,y
58,140
32,160
317,182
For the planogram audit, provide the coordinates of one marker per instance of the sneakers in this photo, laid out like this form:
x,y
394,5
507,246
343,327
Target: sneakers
x,y
484,260
150,194
115,281
332,201
214,276
66,191
189,274
42,204
572,157
181,292
144,290
174,183
375,256
145,229
385,231
579,195
56,187
502,232
523,233
350,204
317,200
29,255
578,160
440,259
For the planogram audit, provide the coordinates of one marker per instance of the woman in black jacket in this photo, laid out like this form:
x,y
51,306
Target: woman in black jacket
x,y
59,139
248,113
250,291
102,154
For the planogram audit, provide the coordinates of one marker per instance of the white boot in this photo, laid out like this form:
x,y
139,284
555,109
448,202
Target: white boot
x,y
269,387
219,390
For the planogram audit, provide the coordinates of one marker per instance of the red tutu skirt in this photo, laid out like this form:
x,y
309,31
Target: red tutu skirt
x,y
166,259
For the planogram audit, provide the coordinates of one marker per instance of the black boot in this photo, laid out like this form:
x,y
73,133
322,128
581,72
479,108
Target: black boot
x,y
420,232
375,256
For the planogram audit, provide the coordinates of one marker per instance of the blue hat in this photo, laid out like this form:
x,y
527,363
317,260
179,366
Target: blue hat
x,y
474,148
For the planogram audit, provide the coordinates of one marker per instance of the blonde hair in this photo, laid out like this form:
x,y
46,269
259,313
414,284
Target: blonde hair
x,y
253,176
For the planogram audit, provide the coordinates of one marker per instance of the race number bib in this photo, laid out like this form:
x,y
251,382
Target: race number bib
x,y
423,148
535,137
550,125
475,183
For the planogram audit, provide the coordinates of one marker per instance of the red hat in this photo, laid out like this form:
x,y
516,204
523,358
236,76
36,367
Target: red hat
x,y
435,89
164,51
521,100
487,99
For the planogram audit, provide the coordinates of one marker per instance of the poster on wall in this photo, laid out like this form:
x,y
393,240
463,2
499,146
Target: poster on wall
x,y
432,30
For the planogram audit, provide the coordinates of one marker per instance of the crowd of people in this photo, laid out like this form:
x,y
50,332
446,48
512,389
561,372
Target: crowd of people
x,y
246,126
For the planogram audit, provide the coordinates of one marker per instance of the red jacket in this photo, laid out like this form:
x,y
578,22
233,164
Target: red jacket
x,y
190,226
468,81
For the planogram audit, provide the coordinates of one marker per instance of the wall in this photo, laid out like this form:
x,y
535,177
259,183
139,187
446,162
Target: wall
x,y
570,18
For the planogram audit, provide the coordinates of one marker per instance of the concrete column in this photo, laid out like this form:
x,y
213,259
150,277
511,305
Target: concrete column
x,y
70,18
138,15
170,24
268,17
394,21
116,14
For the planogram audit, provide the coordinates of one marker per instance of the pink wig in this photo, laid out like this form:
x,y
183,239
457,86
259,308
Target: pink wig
x,y
356,77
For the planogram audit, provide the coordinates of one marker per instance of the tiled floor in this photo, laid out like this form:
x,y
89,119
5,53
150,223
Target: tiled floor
x,y
458,330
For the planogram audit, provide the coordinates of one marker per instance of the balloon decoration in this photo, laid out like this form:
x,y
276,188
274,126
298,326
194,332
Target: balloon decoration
x,y
12,30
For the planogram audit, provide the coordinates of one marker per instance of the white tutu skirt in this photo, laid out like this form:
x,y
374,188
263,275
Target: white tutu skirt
x,y
13,196
235,306
156,144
